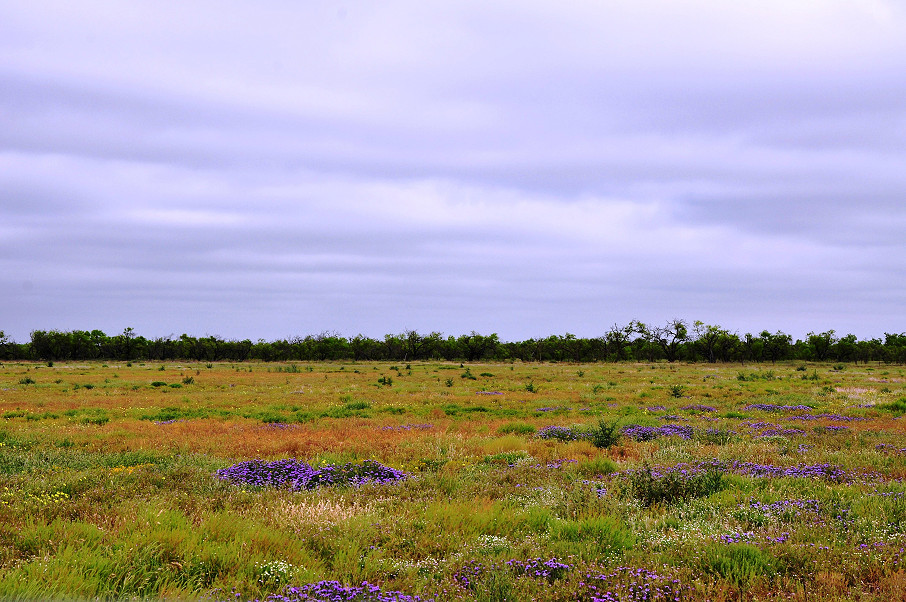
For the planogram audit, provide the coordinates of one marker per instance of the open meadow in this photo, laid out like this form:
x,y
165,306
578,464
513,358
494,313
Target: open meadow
x,y
510,481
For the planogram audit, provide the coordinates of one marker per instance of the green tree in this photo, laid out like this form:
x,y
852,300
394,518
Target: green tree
x,y
820,344
776,346
711,340
668,337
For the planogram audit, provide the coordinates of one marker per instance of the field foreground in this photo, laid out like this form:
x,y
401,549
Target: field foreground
x,y
441,481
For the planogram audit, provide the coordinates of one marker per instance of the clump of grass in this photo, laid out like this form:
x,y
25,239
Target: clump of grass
x,y
516,428
741,564
898,407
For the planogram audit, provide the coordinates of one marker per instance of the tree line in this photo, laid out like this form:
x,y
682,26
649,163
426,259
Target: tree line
x,y
677,340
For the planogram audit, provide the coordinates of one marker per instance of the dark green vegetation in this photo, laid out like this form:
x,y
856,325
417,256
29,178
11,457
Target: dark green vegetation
x,y
705,481
675,341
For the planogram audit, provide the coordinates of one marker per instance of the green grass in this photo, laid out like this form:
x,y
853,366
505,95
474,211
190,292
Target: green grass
x,y
109,492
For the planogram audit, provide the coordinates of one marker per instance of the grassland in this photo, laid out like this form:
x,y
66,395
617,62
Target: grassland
x,y
728,482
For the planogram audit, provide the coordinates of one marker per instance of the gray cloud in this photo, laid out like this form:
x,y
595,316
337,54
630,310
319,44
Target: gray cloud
x,y
518,168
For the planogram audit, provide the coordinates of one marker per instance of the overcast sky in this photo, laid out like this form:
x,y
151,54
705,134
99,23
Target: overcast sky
x,y
271,169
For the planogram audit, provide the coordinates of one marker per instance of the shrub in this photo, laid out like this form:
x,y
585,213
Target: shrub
x,y
675,485
26,381
605,435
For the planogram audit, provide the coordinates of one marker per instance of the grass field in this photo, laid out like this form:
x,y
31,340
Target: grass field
x,y
662,482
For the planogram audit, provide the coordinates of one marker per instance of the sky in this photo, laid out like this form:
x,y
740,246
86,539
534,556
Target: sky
x,y
273,169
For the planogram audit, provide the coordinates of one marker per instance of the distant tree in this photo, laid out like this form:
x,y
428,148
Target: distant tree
x,y
364,348
776,346
475,347
821,344
126,344
668,337
895,347
710,340
619,340
50,345
845,349
417,346
6,347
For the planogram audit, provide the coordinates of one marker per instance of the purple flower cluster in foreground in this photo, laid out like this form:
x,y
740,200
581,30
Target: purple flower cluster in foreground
x,y
697,407
552,409
561,433
827,472
767,429
750,537
787,510
649,433
488,393
408,427
835,417
627,584
297,475
672,417
887,447
549,570
537,568
279,426
781,432
334,591
769,407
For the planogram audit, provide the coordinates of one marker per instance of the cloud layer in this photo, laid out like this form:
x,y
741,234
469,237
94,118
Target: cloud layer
x,y
520,168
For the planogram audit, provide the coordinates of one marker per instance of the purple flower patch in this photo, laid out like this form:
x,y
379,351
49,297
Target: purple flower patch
x,y
697,407
334,591
649,433
297,475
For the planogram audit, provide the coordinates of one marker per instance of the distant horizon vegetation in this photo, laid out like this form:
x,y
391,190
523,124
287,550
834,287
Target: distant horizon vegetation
x,y
677,340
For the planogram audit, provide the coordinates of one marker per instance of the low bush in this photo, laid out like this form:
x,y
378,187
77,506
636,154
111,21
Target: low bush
x,y
674,485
